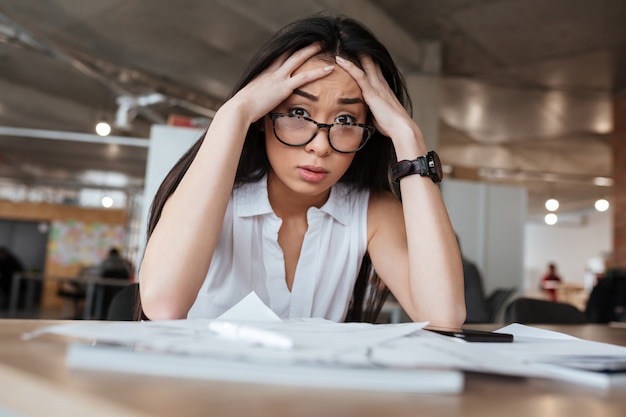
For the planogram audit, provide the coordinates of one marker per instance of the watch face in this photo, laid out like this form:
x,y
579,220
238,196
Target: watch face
x,y
434,166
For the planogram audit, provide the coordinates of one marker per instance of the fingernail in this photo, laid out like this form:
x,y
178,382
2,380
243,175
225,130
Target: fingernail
x,y
329,68
340,59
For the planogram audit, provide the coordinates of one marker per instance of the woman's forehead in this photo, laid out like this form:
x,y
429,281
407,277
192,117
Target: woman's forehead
x,y
338,79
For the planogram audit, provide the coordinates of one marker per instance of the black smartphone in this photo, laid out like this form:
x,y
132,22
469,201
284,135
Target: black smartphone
x,y
474,335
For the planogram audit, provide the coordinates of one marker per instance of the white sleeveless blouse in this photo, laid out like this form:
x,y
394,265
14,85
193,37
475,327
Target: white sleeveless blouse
x,y
248,257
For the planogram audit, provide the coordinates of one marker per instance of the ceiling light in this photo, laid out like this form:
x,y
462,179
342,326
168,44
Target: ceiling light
x,y
603,181
551,219
602,205
107,202
103,129
552,204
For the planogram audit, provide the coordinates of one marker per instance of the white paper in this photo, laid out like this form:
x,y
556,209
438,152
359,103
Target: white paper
x,y
540,345
251,308
317,342
522,331
109,359
325,354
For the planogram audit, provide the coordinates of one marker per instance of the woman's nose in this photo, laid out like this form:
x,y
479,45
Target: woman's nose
x,y
320,143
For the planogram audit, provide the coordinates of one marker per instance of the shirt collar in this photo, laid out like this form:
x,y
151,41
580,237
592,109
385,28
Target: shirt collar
x,y
252,200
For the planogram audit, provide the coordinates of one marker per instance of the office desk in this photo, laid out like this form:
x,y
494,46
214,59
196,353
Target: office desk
x,y
35,381
94,289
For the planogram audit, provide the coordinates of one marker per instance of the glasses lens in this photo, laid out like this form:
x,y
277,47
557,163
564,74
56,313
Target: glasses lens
x,y
294,130
347,138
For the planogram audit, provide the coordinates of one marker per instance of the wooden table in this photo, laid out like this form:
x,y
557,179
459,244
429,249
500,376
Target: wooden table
x,y
36,382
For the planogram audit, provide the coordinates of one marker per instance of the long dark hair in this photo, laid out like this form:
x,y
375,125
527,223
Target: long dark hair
x,y
369,169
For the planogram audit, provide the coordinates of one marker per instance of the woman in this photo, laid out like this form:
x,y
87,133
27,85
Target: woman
x,y
550,282
289,190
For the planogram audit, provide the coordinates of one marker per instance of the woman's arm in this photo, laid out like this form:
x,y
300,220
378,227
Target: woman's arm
x,y
179,250
414,251
412,245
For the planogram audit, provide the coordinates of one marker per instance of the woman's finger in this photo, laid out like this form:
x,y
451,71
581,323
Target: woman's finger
x,y
355,72
306,77
299,57
372,70
289,61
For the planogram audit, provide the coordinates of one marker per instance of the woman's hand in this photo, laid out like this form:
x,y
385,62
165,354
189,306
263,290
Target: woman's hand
x,y
390,117
274,85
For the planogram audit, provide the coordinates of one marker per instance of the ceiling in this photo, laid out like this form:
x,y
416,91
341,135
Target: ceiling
x,y
525,86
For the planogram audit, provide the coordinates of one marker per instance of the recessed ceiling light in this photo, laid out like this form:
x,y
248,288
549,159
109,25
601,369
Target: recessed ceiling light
x,y
107,202
552,204
103,129
551,219
602,205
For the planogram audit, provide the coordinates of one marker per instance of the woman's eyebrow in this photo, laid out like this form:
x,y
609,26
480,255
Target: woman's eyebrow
x,y
356,100
305,94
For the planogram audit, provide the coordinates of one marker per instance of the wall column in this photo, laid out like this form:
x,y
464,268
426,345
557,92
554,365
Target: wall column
x,y
618,144
423,87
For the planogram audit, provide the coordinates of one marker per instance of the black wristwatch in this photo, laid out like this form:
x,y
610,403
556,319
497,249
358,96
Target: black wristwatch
x,y
428,165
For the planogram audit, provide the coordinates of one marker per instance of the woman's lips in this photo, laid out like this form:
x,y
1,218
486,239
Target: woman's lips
x,y
312,173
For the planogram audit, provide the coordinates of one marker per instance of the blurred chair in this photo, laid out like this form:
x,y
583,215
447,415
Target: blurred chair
x,y
108,292
477,309
74,293
534,311
122,306
607,301
496,302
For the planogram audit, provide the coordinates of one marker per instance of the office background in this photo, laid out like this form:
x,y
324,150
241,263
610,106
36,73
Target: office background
x,y
520,98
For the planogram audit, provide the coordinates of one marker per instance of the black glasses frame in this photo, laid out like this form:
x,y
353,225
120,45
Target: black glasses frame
x,y
368,131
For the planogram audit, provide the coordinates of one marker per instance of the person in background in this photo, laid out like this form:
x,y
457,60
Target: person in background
x,y
550,282
9,264
115,266
293,185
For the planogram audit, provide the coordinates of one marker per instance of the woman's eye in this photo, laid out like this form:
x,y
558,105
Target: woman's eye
x,y
298,111
345,119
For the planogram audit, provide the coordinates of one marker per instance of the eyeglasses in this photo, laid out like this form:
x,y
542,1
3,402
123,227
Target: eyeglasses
x,y
294,130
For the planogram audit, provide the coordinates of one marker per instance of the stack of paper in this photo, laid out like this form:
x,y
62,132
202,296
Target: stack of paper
x,y
320,353
302,374
324,354
535,353
565,357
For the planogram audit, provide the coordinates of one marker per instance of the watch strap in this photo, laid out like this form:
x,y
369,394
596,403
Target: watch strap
x,y
406,167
